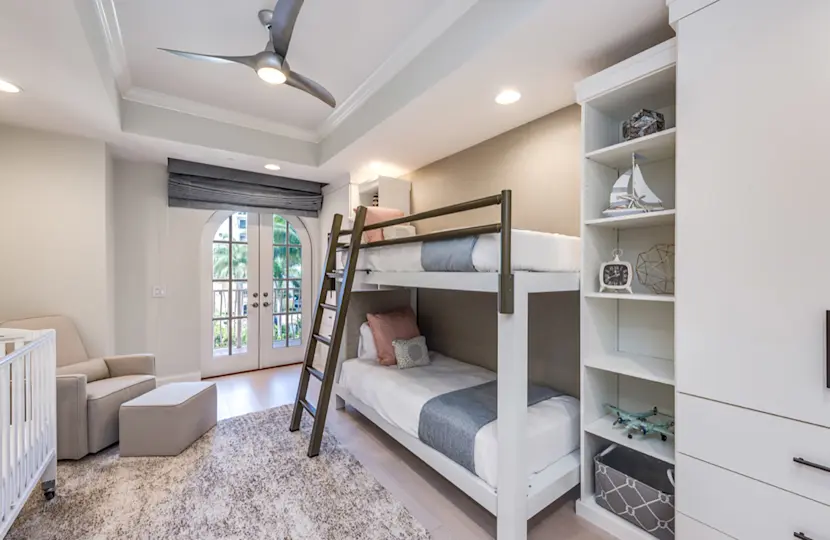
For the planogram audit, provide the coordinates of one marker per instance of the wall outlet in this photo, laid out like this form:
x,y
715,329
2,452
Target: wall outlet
x,y
158,292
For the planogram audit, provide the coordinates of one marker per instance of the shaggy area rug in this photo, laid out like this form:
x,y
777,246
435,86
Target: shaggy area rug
x,y
249,478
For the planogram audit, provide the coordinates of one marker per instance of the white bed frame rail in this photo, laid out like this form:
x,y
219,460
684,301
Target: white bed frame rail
x,y
28,428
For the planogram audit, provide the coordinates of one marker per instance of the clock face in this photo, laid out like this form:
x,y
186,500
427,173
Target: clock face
x,y
615,275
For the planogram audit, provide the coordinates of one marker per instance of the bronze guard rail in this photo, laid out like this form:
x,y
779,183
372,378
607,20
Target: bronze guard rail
x,y
504,228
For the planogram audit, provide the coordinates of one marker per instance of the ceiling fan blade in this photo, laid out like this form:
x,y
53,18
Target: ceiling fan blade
x,y
315,89
244,60
282,24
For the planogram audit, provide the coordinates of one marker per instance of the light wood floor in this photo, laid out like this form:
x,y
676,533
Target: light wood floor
x,y
443,509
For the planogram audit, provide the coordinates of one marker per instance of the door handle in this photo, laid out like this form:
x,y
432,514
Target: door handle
x,y
255,305
265,294
801,536
257,294
802,461
266,304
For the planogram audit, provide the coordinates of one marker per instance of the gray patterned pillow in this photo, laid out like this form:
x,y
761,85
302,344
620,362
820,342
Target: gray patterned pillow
x,y
411,353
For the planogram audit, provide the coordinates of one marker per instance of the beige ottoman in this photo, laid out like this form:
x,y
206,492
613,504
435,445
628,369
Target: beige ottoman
x,y
165,421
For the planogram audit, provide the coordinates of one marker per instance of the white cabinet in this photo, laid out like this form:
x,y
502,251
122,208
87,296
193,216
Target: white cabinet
x,y
757,445
753,115
744,508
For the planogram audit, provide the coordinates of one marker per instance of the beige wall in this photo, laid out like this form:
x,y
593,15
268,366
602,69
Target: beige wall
x,y
54,256
540,163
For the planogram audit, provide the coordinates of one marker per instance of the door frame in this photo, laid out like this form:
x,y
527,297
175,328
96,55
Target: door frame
x,y
206,366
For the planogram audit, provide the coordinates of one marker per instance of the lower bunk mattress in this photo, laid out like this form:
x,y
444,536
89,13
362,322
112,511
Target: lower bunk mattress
x,y
400,395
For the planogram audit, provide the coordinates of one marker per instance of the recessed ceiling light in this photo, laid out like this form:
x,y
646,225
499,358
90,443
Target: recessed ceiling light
x,y
8,87
272,167
507,97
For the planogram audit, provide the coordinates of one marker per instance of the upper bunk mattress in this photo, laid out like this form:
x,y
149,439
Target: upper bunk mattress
x,y
398,395
531,251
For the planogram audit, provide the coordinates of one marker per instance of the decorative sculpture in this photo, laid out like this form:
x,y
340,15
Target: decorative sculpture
x,y
655,269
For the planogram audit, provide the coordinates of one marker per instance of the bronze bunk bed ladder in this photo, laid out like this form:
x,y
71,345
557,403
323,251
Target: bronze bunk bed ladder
x,y
328,283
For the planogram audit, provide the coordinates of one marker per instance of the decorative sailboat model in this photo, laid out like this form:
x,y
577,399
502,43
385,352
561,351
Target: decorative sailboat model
x,y
631,194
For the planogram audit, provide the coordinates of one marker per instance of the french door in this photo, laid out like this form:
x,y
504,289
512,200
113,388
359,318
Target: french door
x,y
261,293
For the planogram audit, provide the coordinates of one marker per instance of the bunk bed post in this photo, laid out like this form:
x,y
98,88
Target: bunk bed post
x,y
512,507
506,267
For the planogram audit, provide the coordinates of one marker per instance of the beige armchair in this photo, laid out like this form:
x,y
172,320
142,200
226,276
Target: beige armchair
x,y
90,391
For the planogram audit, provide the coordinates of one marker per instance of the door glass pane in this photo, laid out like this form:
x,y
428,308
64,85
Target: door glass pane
x,y
279,230
279,263
240,298
293,237
279,333
222,233
280,305
295,262
221,301
294,300
221,263
295,330
239,335
240,261
220,337
294,283
240,227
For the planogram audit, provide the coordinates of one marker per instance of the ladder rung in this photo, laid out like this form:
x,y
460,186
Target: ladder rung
x,y
331,307
335,275
309,407
322,339
316,373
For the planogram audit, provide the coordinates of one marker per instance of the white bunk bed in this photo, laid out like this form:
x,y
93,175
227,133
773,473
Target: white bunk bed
x,y
518,496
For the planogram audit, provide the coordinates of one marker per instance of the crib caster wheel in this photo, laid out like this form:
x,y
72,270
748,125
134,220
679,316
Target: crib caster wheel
x,y
49,494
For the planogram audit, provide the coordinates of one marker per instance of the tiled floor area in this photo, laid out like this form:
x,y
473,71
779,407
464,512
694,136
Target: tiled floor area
x,y
440,506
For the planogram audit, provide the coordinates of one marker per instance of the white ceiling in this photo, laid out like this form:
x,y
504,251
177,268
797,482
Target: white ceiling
x,y
414,80
337,43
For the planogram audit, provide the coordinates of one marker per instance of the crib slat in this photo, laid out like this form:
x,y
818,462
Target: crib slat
x,y
5,428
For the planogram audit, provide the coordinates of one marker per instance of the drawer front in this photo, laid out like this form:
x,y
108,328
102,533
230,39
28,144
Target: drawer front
x,y
744,508
688,529
757,445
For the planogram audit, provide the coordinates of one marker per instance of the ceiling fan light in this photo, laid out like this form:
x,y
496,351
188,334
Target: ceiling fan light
x,y
271,75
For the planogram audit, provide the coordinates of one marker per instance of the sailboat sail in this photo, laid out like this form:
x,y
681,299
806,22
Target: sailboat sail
x,y
631,195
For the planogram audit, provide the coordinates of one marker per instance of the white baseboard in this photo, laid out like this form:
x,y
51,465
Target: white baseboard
x,y
193,376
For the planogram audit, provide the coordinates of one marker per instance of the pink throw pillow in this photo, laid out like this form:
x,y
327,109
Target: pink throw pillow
x,y
387,327
376,214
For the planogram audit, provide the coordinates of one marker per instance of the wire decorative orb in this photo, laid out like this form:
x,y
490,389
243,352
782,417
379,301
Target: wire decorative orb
x,y
655,268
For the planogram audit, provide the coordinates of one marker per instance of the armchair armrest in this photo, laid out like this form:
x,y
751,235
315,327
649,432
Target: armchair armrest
x,y
131,364
73,442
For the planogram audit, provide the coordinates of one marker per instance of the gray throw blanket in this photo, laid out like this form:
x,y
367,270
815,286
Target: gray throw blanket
x,y
449,422
455,255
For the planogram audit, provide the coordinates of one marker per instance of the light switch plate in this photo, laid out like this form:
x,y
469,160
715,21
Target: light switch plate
x,y
158,292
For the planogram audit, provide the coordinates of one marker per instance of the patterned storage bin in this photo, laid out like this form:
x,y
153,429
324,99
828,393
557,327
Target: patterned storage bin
x,y
638,488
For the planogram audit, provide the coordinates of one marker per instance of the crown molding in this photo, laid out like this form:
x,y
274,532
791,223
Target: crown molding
x,y
435,25
194,108
108,19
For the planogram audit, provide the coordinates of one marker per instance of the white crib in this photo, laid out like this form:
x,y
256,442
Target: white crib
x,y
28,429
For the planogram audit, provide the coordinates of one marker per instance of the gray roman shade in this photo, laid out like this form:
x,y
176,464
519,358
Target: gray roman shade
x,y
207,187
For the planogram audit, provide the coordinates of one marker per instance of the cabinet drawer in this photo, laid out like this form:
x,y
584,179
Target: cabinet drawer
x,y
755,444
688,529
744,508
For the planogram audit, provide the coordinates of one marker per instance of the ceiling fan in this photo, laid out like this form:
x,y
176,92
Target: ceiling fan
x,y
270,64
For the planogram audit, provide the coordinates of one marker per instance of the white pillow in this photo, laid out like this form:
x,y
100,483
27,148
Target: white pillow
x,y
366,349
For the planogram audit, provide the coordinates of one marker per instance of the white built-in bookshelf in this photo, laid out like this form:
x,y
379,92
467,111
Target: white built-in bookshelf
x,y
627,340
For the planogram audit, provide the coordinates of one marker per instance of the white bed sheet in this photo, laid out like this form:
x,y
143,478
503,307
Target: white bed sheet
x,y
531,251
398,395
